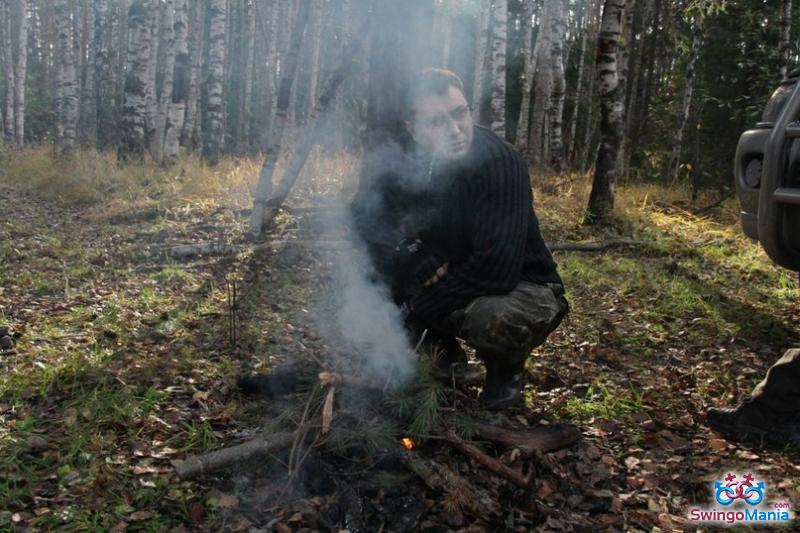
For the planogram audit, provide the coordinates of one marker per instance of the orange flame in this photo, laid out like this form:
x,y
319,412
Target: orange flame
x,y
408,443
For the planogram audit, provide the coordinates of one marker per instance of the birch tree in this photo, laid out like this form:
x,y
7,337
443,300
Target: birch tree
x,y
542,88
134,110
167,62
191,134
8,64
499,31
523,124
601,199
213,136
176,104
103,74
20,73
67,79
556,111
688,91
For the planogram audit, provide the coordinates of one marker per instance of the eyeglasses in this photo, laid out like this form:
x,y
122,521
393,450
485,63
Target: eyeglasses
x,y
441,121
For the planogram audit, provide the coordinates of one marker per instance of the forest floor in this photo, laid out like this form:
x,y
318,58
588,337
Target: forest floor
x,y
125,361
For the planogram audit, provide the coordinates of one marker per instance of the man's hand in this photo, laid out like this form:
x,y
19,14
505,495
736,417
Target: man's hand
x,y
441,272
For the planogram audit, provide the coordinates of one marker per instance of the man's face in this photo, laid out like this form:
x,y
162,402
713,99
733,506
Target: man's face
x,y
442,124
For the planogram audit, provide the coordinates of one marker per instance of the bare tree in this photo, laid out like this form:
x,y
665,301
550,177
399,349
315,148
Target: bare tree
x,y
288,75
176,103
214,131
601,199
191,134
688,91
499,31
67,79
21,73
134,110
558,34
542,89
167,62
523,124
8,64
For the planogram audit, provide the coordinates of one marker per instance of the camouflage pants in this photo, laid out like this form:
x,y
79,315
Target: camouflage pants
x,y
508,326
780,390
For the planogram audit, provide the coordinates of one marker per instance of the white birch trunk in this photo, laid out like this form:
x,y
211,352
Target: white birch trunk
x,y
499,31
213,138
688,91
20,74
180,84
167,62
246,120
67,78
523,124
137,75
316,39
8,64
601,199
558,34
542,88
103,75
190,136
154,9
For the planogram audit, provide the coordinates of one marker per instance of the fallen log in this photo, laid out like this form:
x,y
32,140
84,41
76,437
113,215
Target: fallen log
x,y
531,442
198,465
490,463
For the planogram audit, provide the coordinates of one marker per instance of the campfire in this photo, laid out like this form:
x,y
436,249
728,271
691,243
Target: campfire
x,y
432,417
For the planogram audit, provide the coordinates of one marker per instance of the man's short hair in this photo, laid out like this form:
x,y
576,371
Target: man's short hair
x,y
429,82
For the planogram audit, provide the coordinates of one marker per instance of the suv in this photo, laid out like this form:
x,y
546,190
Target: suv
x,y
767,176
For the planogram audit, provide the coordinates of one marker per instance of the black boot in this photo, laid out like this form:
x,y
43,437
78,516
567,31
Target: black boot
x,y
504,381
752,421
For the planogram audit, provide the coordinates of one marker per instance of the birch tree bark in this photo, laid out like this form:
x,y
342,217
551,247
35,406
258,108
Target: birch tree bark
x,y
103,75
316,41
214,131
137,71
499,32
591,114
176,109
154,11
288,75
785,45
190,136
67,79
8,64
601,199
558,33
542,89
579,97
21,73
246,119
167,62
523,124
479,70
688,91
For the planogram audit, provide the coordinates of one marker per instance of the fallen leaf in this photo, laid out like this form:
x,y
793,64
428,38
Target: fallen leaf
x,y
139,516
718,445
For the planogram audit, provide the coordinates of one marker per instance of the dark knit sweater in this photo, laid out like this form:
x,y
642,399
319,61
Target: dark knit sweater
x,y
475,214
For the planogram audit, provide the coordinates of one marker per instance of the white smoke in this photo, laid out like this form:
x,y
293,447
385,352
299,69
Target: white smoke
x,y
367,330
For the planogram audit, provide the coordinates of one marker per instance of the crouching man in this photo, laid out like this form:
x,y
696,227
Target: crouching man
x,y
449,222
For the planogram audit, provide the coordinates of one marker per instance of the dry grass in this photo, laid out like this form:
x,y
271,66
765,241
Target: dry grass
x,y
89,177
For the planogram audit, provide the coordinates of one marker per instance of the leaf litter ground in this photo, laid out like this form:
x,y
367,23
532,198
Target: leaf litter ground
x,y
125,361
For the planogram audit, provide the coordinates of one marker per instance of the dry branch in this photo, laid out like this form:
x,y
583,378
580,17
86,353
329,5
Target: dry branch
x,y
217,460
488,462
532,442
594,246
